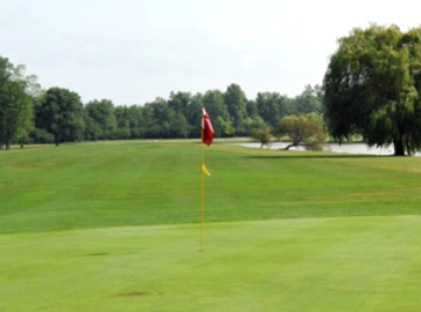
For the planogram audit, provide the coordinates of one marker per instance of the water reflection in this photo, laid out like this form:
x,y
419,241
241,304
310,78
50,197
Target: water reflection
x,y
347,148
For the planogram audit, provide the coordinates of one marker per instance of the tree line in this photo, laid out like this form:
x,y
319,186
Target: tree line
x,y
372,89
29,114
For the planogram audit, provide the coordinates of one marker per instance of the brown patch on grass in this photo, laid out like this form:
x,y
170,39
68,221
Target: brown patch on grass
x,y
135,294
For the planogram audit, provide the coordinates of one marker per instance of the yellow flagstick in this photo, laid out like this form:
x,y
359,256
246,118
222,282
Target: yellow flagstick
x,y
202,196
207,136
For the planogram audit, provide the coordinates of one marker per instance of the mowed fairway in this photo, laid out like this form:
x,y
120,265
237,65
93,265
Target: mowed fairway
x,y
114,227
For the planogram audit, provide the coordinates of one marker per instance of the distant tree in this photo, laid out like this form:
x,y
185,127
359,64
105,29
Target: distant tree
x,y
304,130
254,123
213,100
183,104
180,101
194,115
227,129
236,102
309,101
180,128
251,109
272,106
102,121
16,104
150,121
61,114
136,122
262,135
92,130
373,86
268,109
164,116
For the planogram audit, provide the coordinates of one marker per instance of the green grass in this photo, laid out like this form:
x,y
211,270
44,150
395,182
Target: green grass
x,y
318,264
143,183
113,226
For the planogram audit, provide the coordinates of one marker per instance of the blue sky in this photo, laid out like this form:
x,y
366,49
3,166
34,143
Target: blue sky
x,y
132,51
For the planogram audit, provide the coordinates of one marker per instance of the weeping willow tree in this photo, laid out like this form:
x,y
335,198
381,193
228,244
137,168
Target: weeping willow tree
x,y
372,88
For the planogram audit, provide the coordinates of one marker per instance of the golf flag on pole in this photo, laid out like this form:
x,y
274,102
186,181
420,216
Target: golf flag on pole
x,y
207,137
207,129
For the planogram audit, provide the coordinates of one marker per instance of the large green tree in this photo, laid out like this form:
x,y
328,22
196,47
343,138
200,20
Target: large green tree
x,y
16,105
372,87
61,114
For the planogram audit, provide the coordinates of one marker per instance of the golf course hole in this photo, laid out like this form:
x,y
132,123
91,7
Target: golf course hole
x,y
135,294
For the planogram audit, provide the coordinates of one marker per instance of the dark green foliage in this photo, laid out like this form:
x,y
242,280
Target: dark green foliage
x,y
307,130
236,101
216,107
272,106
232,114
101,120
262,134
42,136
61,114
310,101
372,88
16,105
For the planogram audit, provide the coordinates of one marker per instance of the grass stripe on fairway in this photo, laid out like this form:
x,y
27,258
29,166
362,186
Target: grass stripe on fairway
x,y
107,184
310,264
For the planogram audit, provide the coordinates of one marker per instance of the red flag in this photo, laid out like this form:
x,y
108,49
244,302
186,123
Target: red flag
x,y
207,128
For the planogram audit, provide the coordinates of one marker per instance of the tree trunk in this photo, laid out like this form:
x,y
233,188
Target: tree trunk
x,y
399,148
289,146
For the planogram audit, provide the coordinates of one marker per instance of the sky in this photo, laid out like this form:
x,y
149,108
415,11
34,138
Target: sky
x,y
133,51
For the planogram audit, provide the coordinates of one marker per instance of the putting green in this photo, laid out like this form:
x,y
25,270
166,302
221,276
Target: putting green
x,y
313,264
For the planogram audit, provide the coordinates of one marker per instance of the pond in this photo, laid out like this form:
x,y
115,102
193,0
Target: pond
x,y
347,148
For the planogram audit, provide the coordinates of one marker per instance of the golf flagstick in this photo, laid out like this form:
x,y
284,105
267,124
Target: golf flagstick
x,y
207,136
